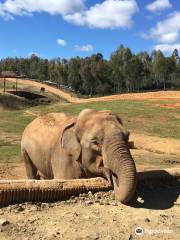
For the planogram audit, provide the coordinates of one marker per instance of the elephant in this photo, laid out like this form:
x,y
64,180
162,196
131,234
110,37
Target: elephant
x,y
93,144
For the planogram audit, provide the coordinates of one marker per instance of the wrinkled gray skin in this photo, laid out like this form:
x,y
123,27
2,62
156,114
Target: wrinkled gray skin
x,y
91,145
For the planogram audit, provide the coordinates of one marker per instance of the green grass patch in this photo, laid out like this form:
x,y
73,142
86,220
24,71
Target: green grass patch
x,y
138,116
144,117
14,121
9,153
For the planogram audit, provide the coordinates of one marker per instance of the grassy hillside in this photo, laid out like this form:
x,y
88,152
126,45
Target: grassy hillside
x,y
138,116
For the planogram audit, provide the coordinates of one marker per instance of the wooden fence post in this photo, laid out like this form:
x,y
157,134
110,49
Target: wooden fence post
x,y
4,85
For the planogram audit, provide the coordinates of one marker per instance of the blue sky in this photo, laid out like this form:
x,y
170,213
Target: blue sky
x,y
67,28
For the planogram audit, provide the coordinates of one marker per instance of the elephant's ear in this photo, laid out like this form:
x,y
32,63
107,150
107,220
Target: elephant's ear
x,y
69,141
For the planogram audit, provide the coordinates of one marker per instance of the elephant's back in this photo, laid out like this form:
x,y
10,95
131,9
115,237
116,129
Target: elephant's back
x,y
44,129
53,120
49,122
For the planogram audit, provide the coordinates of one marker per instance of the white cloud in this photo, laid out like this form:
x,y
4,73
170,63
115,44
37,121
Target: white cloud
x,y
167,48
61,42
168,37
167,31
158,5
4,14
108,14
166,34
26,7
85,48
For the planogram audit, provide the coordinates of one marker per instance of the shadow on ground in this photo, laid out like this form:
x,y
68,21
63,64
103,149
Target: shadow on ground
x,y
157,195
8,102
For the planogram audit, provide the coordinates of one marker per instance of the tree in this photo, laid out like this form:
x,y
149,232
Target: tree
x,y
158,67
74,78
134,74
175,55
42,71
87,78
34,61
93,75
146,77
120,69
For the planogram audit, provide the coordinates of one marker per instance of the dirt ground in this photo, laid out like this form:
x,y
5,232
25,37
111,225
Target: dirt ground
x,y
156,144
155,208
98,216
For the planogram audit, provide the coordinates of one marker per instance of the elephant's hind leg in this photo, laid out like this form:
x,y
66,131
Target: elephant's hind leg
x,y
31,170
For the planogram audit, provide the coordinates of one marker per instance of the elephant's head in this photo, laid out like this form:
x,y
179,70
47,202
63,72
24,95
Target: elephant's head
x,y
99,141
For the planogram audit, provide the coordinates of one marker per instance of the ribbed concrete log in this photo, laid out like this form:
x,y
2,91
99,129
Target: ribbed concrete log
x,y
16,191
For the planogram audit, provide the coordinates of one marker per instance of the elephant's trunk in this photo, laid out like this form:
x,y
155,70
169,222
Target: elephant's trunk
x,y
118,158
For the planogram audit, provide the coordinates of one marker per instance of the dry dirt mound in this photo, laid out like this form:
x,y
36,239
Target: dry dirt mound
x,y
156,144
161,95
98,217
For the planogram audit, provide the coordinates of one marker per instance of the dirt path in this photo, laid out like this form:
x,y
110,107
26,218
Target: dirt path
x,y
163,95
54,90
156,144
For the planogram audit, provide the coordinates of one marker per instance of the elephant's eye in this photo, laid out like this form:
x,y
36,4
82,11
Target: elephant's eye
x,y
96,145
